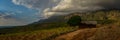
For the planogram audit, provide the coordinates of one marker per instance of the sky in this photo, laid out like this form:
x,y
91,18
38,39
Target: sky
x,y
23,12
13,15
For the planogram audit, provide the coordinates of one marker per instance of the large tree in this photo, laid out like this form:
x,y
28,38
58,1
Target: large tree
x,y
74,21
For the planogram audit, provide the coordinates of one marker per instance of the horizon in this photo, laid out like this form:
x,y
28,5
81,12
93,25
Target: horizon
x,y
23,12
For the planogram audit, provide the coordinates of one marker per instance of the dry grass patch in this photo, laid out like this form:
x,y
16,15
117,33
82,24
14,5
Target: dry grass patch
x,y
102,33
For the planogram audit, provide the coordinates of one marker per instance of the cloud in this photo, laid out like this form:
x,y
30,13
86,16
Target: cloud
x,y
52,7
85,5
39,5
8,19
5,13
36,4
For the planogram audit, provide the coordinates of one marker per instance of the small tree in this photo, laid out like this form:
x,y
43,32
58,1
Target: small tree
x,y
74,21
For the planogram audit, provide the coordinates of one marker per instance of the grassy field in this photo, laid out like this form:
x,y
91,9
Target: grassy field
x,y
37,35
49,31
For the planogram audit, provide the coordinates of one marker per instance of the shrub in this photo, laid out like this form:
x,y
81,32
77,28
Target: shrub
x,y
106,21
74,21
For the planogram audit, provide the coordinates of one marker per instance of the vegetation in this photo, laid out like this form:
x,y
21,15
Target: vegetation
x,y
49,30
102,17
109,28
104,33
74,21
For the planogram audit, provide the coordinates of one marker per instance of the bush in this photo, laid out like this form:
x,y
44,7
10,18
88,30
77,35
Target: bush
x,y
106,21
74,21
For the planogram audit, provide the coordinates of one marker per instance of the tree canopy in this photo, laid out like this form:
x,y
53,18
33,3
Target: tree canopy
x,y
74,21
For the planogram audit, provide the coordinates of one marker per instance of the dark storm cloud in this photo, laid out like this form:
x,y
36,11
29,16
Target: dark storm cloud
x,y
51,7
112,4
86,5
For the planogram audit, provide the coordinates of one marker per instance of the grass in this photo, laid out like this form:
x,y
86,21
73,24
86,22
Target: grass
x,y
108,33
111,32
47,33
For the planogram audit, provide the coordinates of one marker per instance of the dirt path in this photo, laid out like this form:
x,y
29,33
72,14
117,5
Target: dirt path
x,y
71,35
67,36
